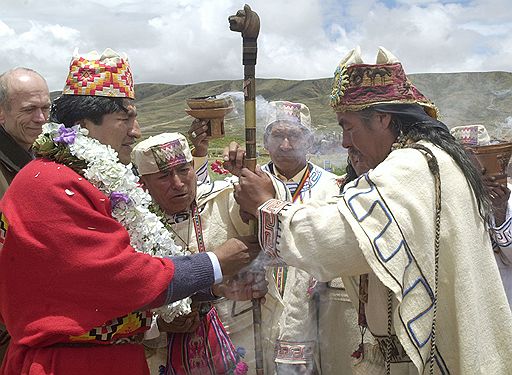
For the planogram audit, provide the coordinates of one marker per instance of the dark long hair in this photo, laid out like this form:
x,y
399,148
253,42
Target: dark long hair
x,y
412,124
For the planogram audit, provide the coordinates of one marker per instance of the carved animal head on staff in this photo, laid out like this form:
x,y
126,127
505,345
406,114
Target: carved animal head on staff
x,y
245,21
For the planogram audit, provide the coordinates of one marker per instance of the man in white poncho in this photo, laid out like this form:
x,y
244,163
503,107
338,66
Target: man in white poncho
x,y
412,218
303,320
199,216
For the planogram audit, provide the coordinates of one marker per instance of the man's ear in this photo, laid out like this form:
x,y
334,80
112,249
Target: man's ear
x,y
265,141
84,123
384,120
309,141
2,115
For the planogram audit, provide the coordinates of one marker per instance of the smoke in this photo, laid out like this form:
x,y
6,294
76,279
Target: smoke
x,y
261,261
504,130
501,94
325,151
263,112
237,115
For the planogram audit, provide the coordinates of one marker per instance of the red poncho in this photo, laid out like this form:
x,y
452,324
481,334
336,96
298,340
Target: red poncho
x,y
66,267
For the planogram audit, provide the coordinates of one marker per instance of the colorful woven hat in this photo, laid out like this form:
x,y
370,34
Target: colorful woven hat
x,y
160,153
471,135
294,113
107,74
357,86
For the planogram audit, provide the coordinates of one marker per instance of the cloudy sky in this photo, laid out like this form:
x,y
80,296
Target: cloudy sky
x,y
187,41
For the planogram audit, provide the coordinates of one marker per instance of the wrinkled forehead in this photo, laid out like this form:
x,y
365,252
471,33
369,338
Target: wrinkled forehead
x,y
286,127
173,168
350,117
159,179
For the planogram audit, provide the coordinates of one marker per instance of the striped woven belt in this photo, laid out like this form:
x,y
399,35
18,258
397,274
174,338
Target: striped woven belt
x,y
398,353
136,339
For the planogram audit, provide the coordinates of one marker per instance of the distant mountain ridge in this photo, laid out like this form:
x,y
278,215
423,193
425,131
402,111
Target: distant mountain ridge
x,y
462,98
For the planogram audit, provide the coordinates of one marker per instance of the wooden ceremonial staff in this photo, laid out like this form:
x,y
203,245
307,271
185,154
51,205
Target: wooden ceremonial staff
x,y
247,22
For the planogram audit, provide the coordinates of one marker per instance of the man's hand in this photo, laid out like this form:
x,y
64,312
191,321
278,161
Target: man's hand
x,y
180,324
233,156
197,135
235,254
243,286
253,190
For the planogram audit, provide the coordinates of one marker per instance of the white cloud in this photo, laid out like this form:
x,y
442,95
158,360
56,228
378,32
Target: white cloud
x,y
185,41
5,31
488,30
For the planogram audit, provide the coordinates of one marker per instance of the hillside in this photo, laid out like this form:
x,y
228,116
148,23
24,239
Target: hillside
x,y
462,98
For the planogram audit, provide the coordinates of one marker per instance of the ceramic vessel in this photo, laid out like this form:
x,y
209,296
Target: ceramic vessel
x,y
494,158
213,109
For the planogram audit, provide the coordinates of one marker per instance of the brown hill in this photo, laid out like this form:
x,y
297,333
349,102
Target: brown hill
x,y
462,98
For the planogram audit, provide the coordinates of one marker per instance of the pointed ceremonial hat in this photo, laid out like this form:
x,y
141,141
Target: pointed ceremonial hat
x,y
357,85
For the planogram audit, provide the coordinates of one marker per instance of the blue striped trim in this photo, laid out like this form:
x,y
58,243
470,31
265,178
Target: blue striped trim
x,y
202,173
503,234
369,208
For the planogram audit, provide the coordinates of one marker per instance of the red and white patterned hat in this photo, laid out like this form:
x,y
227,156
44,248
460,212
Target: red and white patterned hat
x,y
93,74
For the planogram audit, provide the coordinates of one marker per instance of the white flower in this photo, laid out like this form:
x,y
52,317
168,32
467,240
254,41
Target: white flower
x,y
147,233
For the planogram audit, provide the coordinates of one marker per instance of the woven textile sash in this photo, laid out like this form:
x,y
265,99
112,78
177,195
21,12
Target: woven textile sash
x,y
207,351
303,180
198,228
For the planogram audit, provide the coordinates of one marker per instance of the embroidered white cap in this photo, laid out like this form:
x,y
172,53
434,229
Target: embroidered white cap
x,y
293,113
471,135
161,152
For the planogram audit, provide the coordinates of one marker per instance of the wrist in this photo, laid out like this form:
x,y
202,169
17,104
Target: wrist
x,y
260,204
199,152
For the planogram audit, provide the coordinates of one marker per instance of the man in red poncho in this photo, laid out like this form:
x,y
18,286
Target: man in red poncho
x,y
73,289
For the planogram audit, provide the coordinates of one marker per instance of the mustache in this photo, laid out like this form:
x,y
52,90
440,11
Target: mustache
x,y
354,154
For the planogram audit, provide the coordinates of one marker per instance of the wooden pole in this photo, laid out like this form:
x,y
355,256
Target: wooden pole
x,y
247,22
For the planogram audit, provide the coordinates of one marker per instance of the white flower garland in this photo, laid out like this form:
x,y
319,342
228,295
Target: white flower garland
x,y
129,201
